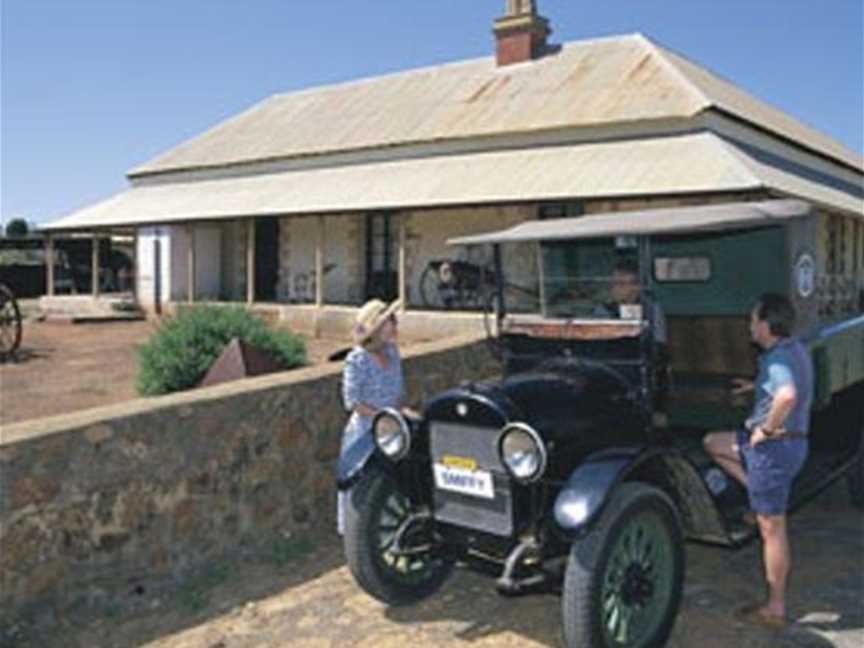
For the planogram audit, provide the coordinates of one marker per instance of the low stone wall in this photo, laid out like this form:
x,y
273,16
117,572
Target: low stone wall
x,y
334,321
96,504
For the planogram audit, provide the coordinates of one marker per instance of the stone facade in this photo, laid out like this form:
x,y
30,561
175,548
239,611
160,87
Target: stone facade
x,y
426,234
97,504
240,272
344,259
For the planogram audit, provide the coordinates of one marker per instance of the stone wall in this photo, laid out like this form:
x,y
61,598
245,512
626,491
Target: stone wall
x,y
97,504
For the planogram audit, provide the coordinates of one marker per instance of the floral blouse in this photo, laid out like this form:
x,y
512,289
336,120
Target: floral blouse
x,y
365,381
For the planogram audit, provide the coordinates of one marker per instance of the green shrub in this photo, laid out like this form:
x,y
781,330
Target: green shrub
x,y
180,353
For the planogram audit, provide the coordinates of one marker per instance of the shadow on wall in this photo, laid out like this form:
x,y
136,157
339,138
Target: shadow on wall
x,y
143,495
296,588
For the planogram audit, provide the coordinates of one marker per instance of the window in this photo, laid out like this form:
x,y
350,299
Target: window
x,y
682,269
567,209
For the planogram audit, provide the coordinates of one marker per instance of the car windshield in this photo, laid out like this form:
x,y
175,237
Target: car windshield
x,y
594,279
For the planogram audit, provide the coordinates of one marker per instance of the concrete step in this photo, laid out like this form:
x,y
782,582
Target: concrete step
x,y
86,308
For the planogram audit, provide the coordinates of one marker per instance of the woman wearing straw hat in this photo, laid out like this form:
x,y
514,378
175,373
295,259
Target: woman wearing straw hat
x,y
372,378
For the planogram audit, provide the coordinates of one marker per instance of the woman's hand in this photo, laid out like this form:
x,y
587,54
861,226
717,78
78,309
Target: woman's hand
x,y
364,410
411,413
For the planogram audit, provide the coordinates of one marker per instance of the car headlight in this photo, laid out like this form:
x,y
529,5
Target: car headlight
x,y
522,452
392,434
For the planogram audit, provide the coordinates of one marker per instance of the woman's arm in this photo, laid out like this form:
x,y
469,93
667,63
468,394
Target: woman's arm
x,y
354,378
404,406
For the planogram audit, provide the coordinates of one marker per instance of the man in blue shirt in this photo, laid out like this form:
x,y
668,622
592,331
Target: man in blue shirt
x,y
769,450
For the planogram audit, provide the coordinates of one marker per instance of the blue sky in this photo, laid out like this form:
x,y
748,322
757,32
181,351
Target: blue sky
x,y
92,88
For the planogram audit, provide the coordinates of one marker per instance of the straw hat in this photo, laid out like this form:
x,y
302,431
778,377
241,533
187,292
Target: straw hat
x,y
371,317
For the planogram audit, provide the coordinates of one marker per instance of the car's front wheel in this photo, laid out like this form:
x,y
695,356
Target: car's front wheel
x,y
388,545
623,581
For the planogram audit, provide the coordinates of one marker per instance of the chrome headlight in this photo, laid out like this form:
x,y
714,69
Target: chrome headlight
x,y
522,452
392,434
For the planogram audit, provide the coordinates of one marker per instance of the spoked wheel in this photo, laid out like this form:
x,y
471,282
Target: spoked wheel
x,y
10,323
623,582
388,545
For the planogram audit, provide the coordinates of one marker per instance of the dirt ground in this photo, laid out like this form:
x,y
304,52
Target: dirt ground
x,y
303,596
62,368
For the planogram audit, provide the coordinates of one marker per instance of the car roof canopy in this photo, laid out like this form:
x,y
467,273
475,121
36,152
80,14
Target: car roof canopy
x,y
649,222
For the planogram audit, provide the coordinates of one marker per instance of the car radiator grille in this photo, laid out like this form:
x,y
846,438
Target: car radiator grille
x,y
481,445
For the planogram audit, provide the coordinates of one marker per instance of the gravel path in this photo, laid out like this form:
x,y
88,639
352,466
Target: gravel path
x,y
310,601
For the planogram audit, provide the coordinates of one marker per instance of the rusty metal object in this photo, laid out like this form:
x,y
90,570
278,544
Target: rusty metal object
x,y
10,323
240,360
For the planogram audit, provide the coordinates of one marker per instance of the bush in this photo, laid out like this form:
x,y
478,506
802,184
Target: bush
x,y
184,348
17,228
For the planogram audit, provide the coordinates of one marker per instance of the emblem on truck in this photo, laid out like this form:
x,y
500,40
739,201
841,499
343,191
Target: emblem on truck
x,y
805,275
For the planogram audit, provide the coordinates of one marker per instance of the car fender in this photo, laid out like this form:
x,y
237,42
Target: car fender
x,y
354,461
588,487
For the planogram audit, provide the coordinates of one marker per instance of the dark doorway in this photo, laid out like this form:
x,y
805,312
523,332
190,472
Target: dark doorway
x,y
382,277
266,258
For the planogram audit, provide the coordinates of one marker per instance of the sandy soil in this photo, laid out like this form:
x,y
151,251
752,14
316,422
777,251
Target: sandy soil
x,y
62,367
304,596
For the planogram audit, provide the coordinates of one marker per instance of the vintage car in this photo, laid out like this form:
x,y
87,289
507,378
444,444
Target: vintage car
x,y
581,468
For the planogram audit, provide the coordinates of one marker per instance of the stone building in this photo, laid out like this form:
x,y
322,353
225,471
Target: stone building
x,y
310,202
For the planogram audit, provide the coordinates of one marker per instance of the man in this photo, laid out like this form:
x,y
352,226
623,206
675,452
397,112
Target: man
x,y
626,290
767,453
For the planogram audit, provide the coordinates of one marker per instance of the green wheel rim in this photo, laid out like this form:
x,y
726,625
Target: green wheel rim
x,y
411,569
638,581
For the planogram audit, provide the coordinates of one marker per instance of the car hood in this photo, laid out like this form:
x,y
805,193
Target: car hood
x,y
554,400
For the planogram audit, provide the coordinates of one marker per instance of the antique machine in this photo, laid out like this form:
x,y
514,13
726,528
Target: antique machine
x,y
580,468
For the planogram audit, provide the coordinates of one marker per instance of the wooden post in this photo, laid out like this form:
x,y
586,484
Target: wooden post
x,y
250,261
94,266
191,263
319,264
134,277
49,265
403,257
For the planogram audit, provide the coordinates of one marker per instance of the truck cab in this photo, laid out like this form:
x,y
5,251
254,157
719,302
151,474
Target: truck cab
x,y
580,467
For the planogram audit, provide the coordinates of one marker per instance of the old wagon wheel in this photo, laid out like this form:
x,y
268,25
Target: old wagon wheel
x,y
10,323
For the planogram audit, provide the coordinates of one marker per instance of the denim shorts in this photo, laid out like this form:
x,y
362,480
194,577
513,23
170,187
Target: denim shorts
x,y
770,466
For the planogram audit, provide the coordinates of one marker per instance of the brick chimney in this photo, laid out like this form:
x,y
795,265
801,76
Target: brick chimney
x,y
520,34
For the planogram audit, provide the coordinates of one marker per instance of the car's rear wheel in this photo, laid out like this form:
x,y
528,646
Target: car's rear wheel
x,y
377,512
623,581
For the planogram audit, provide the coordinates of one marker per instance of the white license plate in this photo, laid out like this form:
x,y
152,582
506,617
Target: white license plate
x,y
468,482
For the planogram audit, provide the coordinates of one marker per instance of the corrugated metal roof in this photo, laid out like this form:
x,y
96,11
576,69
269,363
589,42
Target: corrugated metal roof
x,y
724,95
600,82
794,184
649,222
681,164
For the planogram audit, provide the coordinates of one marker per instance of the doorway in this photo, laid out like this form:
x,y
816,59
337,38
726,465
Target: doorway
x,y
266,258
382,277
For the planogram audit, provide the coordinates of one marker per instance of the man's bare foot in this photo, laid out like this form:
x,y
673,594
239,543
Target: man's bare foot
x,y
760,615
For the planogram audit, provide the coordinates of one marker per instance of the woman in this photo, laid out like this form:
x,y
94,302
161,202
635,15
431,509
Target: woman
x,y
372,379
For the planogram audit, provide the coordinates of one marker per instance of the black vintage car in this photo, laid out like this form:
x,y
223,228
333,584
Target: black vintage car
x,y
581,468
